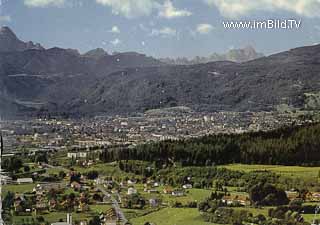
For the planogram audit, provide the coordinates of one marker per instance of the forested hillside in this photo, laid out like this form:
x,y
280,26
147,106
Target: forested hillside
x,y
286,146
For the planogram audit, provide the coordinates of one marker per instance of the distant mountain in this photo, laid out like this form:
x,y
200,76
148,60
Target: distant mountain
x,y
34,77
58,61
63,81
18,57
235,55
9,42
118,61
96,53
242,55
286,79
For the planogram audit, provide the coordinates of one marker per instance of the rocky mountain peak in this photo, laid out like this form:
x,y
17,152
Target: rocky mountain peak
x,y
10,42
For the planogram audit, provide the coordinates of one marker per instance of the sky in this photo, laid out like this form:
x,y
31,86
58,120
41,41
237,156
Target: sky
x,y
161,28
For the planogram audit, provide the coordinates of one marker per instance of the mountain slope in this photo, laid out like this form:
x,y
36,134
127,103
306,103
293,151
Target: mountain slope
x,y
50,77
262,84
61,80
9,42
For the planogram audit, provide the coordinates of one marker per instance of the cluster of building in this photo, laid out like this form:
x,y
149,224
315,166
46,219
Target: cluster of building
x,y
54,135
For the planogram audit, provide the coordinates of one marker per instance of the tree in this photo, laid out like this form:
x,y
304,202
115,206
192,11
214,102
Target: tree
x,y
40,219
295,145
8,200
75,177
62,174
52,194
12,164
95,221
267,194
41,158
93,175
97,197
26,169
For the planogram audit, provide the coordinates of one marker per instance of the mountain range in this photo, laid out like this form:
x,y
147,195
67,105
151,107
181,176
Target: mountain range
x,y
235,55
35,80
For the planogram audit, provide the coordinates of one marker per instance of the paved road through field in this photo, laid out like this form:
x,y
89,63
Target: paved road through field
x,y
115,204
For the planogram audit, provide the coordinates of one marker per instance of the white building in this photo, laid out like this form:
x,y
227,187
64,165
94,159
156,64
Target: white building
x,y
77,155
187,186
178,193
6,180
25,181
132,191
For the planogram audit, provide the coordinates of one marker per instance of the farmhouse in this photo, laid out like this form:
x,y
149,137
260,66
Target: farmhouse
x,y
178,193
153,202
153,191
167,190
6,180
25,181
292,195
18,203
187,186
132,191
75,185
109,217
313,196
236,200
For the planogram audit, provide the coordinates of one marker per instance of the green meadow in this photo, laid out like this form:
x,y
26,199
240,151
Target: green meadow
x,y
172,216
287,171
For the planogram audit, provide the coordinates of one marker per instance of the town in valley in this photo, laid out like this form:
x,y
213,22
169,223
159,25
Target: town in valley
x,y
63,171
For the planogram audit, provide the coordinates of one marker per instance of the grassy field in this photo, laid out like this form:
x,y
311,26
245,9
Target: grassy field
x,y
106,169
176,216
172,216
99,208
288,171
56,170
310,217
255,211
15,188
191,195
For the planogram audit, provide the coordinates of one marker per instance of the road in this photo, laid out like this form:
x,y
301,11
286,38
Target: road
x,y
115,204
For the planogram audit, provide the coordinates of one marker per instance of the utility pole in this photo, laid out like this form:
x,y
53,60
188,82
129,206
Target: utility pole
x,y
1,152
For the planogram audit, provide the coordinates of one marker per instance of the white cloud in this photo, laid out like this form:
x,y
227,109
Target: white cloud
x,y
164,32
238,8
44,3
116,42
130,8
169,11
137,8
204,28
5,18
115,30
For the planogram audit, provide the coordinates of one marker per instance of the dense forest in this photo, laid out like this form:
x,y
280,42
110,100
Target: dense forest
x,y
297,145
